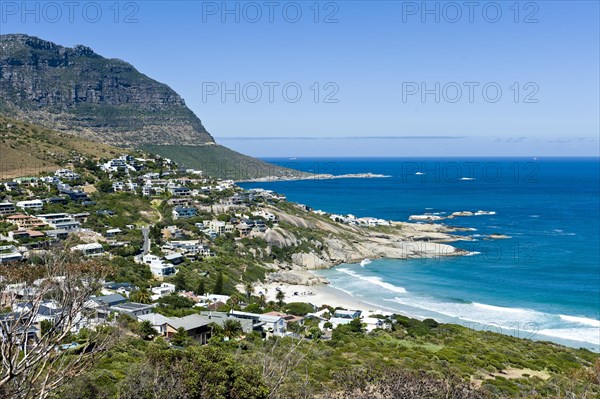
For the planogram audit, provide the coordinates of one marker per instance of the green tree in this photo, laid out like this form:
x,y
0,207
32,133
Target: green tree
x,y
219,283
313,333
155,233
249,288
299,308
295,327
179,281
197,372
175,301
234,300
104,186
200,290
356,325
146,331
262,301
280,296
181,338
45,326
141,296
232,328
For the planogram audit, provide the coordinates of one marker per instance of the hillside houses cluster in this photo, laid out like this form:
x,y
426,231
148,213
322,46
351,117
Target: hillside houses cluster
x,y
38,212
353,220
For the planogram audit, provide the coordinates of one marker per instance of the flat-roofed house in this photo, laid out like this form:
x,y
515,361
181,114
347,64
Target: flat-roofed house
x,y
9,253
133,309
183,212
269,324
7,208
91,250
34,205
24,221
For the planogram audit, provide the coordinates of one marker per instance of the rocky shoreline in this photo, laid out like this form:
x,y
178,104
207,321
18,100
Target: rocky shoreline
x,y
308,176
352,244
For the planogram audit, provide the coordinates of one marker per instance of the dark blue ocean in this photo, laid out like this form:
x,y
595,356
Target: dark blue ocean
x,y
542,283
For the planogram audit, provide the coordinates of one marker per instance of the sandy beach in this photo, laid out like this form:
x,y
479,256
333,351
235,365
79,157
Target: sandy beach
x,y
317,295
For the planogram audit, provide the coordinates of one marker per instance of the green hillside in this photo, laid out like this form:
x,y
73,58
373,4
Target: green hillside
x,y
219,161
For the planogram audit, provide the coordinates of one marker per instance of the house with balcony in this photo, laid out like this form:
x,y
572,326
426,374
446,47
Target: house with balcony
x,y
31,205
268,324
24,221
183,212
7,208
90,250
9,253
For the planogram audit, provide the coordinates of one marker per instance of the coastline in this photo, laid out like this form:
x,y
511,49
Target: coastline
x,y
270,179
318,295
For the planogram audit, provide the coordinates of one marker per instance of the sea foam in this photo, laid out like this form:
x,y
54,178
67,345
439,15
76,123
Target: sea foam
x,y
581,320
373,280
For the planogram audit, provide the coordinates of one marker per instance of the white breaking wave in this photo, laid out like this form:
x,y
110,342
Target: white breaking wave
x,y
365,262
581,320
501,308
591,335
524,323
373,280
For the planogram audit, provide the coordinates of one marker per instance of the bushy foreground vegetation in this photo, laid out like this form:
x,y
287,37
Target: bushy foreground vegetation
x,y
413,359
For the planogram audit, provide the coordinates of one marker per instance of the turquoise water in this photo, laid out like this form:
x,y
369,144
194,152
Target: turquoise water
x,y
543,283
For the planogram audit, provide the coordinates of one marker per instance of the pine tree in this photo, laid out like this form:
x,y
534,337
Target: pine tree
x,y
179,281
219,284
200,290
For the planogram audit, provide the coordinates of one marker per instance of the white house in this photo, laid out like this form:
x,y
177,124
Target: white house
x,y
34,205
91,250
270,324
114,165
162,290
265,215
66,174
158,267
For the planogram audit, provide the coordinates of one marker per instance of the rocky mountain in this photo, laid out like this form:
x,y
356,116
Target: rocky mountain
x,y
77,90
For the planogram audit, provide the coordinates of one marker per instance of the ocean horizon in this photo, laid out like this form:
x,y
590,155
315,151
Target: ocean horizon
x,y
541,283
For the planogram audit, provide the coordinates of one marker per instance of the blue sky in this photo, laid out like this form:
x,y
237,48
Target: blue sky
x,y
386,78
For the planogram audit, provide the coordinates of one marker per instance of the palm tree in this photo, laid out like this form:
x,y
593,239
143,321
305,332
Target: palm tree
x,y
249,287
141,296
233,301
147,331
232,328
280,297
262,301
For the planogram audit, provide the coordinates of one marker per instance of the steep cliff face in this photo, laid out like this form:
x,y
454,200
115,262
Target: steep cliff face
x,y
77,90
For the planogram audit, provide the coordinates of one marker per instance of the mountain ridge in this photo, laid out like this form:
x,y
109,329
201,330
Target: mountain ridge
x,y
77,91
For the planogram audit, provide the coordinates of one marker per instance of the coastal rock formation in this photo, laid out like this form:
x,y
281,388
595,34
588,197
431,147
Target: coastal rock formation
x,y
429,217
324,243
426,217
294,278
280,238
497,236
